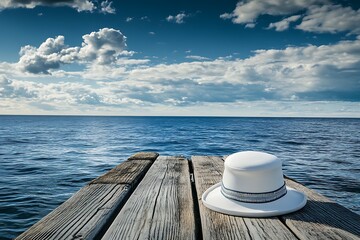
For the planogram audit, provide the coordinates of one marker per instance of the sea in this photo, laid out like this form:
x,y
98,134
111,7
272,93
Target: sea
x,y
46,159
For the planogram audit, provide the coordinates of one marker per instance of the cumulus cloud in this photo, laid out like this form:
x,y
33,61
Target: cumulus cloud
x,y
79,5
284,24
102,47
47,56
319,16
179,18
129,19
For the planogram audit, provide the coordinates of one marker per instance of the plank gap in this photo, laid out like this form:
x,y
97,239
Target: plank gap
x,y
288,227
198,228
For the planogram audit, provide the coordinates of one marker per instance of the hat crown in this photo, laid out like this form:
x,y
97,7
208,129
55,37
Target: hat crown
x,y
252,161
253,172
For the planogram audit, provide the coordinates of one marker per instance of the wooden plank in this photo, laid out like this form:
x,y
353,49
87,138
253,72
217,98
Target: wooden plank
x,y
161,207
207,172
321,218
89,211
144,156
92,203
125,173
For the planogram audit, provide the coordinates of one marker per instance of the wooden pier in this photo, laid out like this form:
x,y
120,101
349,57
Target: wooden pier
x,y
159,197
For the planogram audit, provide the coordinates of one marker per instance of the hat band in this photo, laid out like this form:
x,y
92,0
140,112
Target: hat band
x,y
253,197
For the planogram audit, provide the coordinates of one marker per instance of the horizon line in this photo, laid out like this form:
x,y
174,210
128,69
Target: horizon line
x,y
176,116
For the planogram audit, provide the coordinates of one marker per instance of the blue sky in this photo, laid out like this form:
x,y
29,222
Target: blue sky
x,y
225,58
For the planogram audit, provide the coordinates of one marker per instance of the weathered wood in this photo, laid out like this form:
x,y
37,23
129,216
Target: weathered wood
x,y
144,156
322,218
93,207
207,172
161,207
90,208
125,173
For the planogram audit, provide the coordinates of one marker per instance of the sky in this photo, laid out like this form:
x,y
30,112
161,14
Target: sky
x,y
298,58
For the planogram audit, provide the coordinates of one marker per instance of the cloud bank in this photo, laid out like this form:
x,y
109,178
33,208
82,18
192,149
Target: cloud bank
x,y
286,79
293,74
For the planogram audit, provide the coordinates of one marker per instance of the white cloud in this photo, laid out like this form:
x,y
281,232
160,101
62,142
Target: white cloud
x,y
47,56
195,57
79,5
331,18
106,7
28,97
129,19
65,97
102,47
248,11
179,18
320,16
12,89
284,24
250,25
328,72
280,78
226,16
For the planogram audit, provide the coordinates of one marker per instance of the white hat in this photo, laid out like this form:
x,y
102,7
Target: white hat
x,y
253,186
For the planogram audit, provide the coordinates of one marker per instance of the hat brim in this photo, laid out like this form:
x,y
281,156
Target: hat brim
x,y
292,201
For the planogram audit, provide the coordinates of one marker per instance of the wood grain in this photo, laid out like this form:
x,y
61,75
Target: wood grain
x,y
207,172
144,156
321,218
80,217
125,173
161,207
89,211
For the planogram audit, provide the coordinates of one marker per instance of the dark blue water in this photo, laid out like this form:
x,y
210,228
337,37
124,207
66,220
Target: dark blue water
x,y
44,160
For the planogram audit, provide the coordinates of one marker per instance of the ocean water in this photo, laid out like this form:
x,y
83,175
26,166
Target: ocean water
x,y
45,159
